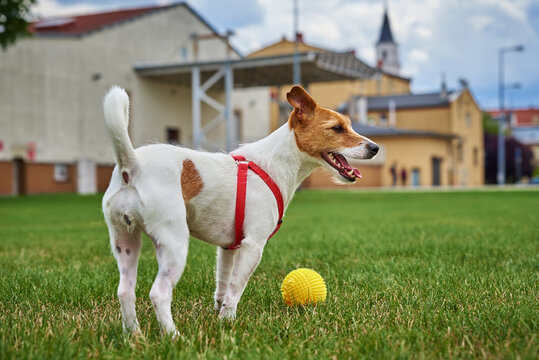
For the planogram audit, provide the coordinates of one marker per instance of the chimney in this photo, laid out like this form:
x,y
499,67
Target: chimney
x,y
443,92
299,37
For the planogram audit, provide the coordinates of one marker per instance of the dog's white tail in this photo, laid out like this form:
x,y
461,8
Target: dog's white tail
x,y
116,109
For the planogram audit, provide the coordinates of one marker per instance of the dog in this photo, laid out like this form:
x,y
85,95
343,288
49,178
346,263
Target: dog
x,y
170,193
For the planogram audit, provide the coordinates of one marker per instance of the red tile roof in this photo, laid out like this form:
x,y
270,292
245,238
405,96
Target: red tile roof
x,y
81,24
523,117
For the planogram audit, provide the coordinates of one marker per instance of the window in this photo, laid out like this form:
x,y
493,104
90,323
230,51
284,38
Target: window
x,y
61,173
184,53
173,135
475,156
416,174
468,119
383,119
460,153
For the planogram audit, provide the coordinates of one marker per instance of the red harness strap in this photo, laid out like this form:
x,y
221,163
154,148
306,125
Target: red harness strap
x,y
243,166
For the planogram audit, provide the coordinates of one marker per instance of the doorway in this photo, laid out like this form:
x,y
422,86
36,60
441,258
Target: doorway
x,y
436,165
19,177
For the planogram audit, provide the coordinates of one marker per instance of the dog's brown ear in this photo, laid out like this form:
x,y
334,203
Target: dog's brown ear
x,y
301,101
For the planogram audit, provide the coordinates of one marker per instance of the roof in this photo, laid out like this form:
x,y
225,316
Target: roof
x,y
284,46
264,71
83,24
522,117
403,101
377,131
385,35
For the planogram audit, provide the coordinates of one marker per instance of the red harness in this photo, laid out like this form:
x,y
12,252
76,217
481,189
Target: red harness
x,y
243,166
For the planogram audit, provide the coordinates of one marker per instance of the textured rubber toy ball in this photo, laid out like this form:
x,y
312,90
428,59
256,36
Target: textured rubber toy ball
x,y
303,287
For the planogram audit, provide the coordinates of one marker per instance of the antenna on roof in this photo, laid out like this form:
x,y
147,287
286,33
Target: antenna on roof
x,y
443,93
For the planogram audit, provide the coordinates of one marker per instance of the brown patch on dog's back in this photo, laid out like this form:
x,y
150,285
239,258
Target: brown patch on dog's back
x,y
192,183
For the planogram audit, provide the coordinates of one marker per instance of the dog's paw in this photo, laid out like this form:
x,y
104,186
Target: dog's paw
x,y
227,313
218,305
132,329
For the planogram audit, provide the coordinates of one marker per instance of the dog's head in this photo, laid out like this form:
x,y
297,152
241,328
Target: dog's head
x,y
327,136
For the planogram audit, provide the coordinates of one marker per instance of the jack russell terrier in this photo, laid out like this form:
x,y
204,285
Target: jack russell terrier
x,y
170,192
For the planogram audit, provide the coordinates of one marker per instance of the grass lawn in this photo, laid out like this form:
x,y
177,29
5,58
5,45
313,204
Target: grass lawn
x,y
420,275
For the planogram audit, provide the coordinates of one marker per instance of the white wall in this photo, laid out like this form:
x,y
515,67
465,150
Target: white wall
x,y
48,95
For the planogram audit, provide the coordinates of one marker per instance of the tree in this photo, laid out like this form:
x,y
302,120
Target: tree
x,y
491,159
490,125
13,20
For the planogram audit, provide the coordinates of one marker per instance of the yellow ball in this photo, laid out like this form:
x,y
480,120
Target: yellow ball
x,y
303,287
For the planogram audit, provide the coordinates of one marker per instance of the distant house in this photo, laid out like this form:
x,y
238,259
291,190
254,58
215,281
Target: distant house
x,y
432,139
52,137
524,127
436,137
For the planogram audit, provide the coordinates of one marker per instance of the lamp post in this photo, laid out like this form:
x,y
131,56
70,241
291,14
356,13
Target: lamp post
x,y
502,119
296,63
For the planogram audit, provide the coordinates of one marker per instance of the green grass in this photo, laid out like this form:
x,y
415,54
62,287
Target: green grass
x,y
409,275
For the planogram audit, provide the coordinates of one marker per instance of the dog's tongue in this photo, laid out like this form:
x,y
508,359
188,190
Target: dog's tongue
x,y
342,160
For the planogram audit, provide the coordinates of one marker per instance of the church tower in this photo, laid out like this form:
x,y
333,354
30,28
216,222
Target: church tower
x,y
387,50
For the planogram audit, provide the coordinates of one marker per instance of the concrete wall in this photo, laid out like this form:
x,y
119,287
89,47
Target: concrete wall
x,y
254,105
51,88
466,122
435,119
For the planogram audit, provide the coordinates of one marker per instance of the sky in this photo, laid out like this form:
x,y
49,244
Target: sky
x,y
457,38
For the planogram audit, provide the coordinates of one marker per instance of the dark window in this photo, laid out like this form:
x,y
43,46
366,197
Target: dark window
x,y
173,135
383,119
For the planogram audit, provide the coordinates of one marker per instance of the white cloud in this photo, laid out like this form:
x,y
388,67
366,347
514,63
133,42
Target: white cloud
x,y
52,8
459,38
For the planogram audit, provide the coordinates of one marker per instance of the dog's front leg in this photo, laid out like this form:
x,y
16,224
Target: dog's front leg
x,y
225,265
248,257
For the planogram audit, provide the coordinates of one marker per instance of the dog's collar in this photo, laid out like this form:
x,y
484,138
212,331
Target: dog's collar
x,y
243,166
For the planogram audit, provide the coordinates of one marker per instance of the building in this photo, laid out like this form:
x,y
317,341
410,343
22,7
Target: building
x,y
437,138
524,127
52,86
433,139
180,75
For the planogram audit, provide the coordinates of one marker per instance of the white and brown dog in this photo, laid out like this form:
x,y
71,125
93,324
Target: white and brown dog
x,y
170,192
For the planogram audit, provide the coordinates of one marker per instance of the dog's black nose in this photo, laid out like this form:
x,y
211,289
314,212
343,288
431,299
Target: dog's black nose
x,y
374,148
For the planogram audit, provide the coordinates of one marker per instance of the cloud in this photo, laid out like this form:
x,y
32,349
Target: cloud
x,y
459,38
53,8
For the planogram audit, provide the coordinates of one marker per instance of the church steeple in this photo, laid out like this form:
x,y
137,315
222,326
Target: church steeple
x,y
385,34
387,52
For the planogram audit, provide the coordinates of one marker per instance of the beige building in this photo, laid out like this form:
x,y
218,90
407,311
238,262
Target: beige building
x,y
429,139
51,88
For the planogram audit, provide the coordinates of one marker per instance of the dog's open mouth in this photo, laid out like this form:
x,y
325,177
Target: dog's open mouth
x,y
339,163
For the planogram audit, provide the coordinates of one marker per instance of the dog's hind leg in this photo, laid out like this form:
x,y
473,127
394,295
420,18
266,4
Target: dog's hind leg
x,y
172,242
248,257
225,265
126,250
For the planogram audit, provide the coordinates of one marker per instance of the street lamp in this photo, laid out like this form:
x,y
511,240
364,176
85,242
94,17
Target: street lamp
x,y
502,118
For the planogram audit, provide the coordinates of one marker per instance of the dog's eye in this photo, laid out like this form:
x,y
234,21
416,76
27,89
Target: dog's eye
x,y
338,129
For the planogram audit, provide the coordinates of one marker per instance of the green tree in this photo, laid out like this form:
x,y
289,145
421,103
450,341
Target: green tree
x,y
490,125
13,20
